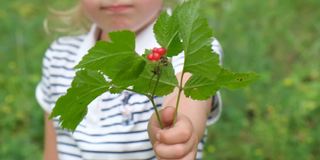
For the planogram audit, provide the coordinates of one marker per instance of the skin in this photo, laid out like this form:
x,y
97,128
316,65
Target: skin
x,y
50,142
134,18
177,141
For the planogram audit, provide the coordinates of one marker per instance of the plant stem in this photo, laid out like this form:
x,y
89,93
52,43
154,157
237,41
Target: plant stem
x,y
178,99
152,96
156,110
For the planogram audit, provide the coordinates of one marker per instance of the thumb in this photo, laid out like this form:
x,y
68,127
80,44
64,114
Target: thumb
x,y
167,115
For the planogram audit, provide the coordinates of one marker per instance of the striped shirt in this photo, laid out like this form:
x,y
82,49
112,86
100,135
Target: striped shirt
x,y
115,126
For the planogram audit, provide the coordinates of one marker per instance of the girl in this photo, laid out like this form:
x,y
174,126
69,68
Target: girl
x,y
121,126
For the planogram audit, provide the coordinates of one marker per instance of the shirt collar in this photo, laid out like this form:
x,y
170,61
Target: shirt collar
x,y
89,40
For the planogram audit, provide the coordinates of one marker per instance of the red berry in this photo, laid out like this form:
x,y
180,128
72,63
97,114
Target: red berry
x,y
150,57
156,56
162,51
155,50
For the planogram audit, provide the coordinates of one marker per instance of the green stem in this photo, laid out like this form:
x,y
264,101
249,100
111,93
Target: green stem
x,y
152,96
157,82
156,110
178,99
152,101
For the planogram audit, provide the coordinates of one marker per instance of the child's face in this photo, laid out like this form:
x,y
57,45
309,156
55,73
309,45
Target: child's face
x,y
112,15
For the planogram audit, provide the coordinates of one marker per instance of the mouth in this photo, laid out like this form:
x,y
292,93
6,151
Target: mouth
x,y
117,8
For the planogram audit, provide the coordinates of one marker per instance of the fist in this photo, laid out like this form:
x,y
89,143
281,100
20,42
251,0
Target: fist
x,y
177,141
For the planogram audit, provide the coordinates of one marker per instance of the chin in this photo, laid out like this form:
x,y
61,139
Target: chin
x,y
123,27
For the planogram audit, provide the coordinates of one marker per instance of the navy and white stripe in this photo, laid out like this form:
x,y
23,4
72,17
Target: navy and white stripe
x,y
106,132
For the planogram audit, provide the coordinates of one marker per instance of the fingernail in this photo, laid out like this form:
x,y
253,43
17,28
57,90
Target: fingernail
x,y
158,136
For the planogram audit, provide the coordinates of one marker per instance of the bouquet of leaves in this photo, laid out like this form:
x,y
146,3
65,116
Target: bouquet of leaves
x,y
114,66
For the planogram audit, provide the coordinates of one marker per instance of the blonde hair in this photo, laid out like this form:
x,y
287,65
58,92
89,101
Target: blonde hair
x,y
70,21
73,20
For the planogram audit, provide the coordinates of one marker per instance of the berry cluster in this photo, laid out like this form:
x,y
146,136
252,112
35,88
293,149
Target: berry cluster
x,y
156,54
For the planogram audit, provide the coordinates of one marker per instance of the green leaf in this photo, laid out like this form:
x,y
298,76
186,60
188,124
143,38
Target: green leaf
x,y
202,88
72,107
117,58
115,89
147,80
197,37
231,80
128,75
167,35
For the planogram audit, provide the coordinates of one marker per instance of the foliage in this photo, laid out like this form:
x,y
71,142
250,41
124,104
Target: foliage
x,y
276,118
186,28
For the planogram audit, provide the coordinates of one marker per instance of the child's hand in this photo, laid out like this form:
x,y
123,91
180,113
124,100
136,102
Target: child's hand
x,y
174,142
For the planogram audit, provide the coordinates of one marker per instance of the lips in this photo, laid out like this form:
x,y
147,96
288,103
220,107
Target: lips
x,y
117,8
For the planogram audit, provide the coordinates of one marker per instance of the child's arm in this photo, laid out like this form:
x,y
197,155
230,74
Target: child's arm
x,y
181,140
50,145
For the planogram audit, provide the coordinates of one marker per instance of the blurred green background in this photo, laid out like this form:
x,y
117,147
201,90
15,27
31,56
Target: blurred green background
x,y
276,118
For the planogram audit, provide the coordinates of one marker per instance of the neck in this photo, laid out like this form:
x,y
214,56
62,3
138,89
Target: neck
x,y
102,35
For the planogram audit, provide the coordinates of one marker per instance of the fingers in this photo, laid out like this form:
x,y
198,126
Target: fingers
x,y
174,142
180,133
167,115
192,155
176,151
